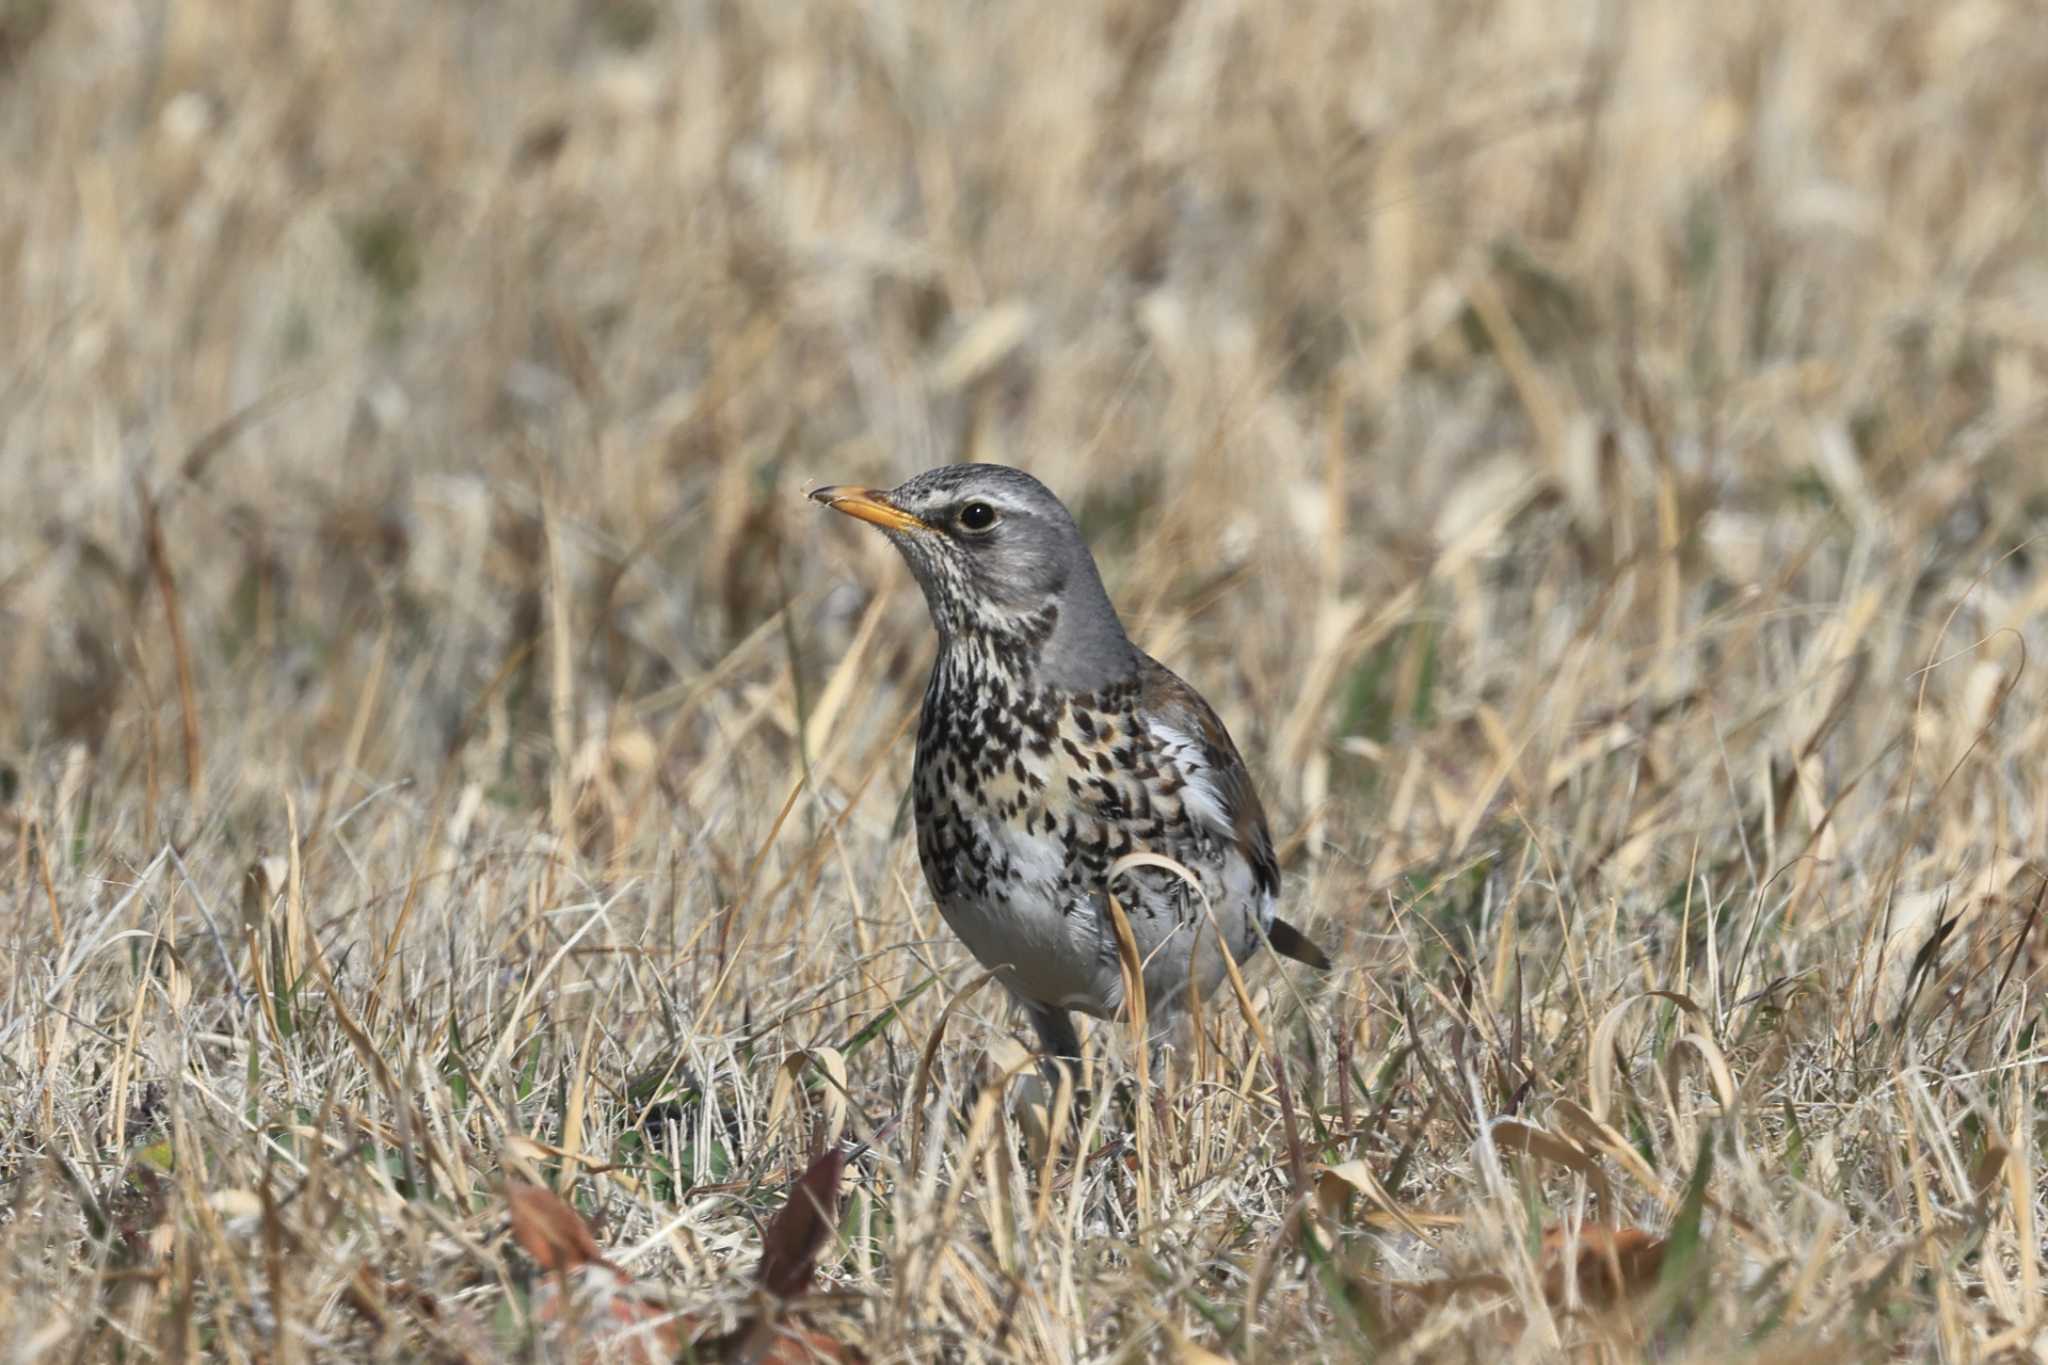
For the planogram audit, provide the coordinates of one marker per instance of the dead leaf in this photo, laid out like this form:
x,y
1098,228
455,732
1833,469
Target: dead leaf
x,y
1600,1049
262,882
627,1321
549,1230
1513,1135
1336,1184
789,1248
641,1329
1610,1264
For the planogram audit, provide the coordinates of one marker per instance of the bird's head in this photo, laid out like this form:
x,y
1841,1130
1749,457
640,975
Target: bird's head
x,y
1002,564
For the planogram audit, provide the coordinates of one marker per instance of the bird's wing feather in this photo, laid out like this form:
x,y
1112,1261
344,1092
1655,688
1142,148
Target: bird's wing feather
x,y
1219,789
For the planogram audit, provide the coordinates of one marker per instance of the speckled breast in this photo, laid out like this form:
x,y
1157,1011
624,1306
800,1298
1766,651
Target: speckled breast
x,y
1023,800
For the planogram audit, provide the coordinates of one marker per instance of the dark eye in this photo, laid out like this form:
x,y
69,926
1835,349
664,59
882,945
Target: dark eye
x,y
977,516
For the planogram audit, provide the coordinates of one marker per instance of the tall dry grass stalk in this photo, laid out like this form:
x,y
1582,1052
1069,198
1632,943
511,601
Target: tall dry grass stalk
x,y
1592,455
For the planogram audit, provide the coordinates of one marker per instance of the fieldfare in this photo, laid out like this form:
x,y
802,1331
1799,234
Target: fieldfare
x,y
1049,747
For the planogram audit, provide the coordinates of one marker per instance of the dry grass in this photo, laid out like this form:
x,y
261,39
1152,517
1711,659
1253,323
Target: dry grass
x,y
1592,454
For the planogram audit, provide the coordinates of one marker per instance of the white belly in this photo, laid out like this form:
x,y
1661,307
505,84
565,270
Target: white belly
x,y
1043,944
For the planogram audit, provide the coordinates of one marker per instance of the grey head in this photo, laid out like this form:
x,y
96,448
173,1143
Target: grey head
x,y
1002,565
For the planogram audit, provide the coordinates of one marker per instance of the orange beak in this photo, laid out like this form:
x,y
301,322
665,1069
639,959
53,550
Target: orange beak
x,y
869,505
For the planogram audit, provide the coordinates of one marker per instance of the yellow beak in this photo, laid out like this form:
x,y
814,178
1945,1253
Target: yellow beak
x,y
869,505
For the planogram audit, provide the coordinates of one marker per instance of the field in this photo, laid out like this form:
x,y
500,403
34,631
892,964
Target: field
x,y
1594,457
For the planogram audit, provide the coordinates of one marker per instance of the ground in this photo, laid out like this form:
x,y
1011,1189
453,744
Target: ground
x,y
1594,457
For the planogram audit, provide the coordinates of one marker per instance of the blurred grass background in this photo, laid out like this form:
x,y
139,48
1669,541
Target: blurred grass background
x,y
1591,454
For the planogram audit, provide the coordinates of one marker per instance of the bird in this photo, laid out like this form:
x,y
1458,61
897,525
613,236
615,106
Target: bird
x,y
1049,747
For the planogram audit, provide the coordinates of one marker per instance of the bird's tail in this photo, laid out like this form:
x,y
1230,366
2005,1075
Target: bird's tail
x,y
1289,941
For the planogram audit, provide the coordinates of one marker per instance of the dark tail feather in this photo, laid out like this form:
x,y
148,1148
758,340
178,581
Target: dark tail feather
x,y
1289,941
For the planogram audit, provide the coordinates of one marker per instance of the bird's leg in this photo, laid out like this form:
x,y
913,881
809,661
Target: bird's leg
x,y
1056,1036
1060,1045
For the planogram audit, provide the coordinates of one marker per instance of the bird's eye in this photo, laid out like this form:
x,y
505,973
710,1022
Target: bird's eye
x,y
977,516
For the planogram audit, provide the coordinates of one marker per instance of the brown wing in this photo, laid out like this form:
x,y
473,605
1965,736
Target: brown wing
x,y
1164,696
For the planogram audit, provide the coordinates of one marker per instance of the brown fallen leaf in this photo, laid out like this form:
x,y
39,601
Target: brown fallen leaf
x,y
639,1327
621,1319
1611,1264
401,1311
629,1320
790,1246
549,1230
789,1262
